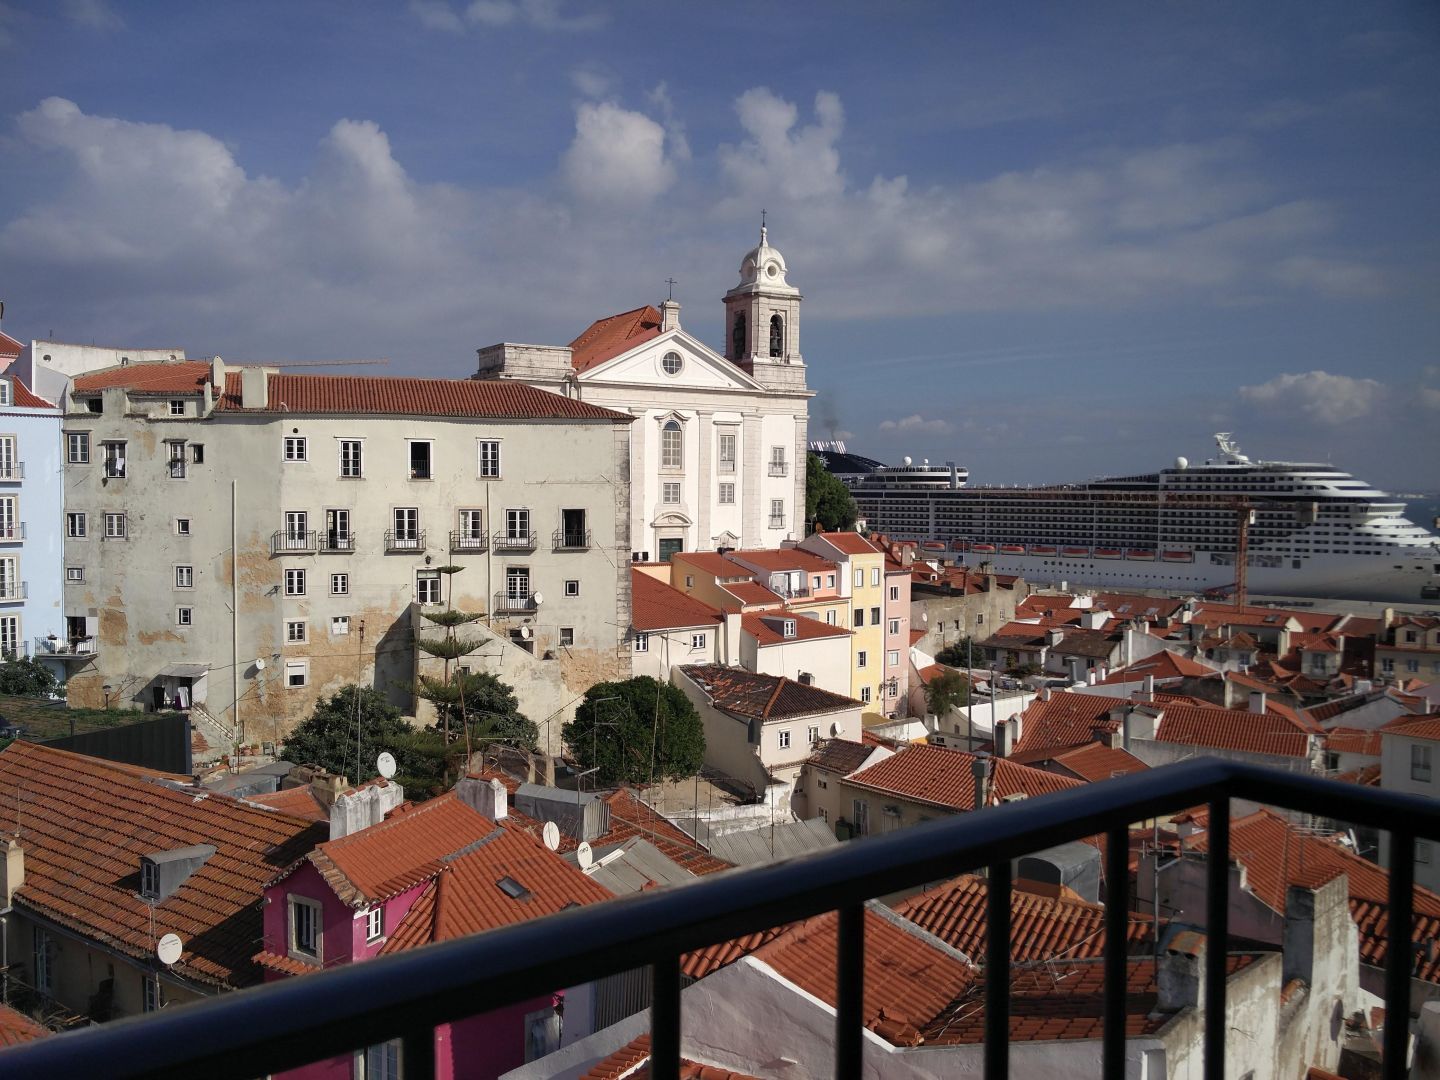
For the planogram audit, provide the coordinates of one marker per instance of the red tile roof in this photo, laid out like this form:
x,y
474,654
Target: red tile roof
x,y
1344,740
1415,727
17,1028
9,346
1133,606
1163,665
400,852
839,756
631,817
608,338
632,1062
752,592
173,377
764,697
1096,761
657,606
712,562
1063,721
25,398
702,962
850,543
466,896
945,778
1041,927
404,396
756,625
297,802
1232,729
785,559
84,823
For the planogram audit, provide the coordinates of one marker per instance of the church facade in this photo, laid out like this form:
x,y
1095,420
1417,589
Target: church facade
x,y
717,451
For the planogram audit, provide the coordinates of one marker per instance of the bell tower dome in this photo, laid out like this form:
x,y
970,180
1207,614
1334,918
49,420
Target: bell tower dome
x,y
762,319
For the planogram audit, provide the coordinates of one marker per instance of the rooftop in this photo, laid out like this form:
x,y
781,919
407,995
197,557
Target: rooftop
x,y
1096,761
1232,729
657,606
764,697
607,338
759,625
839,755
1415,727
946,778
632,1062
779,559
1163,665
1065,720
849,543
175,377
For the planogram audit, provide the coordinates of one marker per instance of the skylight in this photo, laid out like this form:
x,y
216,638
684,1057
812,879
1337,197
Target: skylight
x,y
513,889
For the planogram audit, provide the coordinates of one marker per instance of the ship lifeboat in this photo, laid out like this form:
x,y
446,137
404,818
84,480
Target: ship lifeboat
x,y
1141,554
983,549
932,545
1108,553
1012,549
960,545
1075,553
1178,556
1041,549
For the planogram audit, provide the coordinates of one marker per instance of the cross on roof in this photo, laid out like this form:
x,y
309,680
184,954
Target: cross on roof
x,y
670,281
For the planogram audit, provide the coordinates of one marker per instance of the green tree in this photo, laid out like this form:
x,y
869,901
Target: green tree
x,y
482,708
636,731
827,499
959,654
946,691
27,677
445,693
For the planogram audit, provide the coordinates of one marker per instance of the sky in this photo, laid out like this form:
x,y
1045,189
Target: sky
x,y
1046,241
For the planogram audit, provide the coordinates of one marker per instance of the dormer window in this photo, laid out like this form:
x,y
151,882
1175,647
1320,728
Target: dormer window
x,y
4,391
788,628
149,880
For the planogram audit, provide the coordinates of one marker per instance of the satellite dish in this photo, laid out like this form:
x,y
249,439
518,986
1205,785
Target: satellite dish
x,y
259,663
168,949
835,729
551,835
385,764
583,855
538,598
908,460
526,633
1181,463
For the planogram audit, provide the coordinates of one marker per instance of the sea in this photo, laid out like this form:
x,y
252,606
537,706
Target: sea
x,y
1423,511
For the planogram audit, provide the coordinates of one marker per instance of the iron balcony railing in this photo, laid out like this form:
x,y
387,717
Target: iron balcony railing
x,y
333,540
468,541
514,541
777,522
285,542
12,532
177,468
56,646
571,540
404,540
779,468
14,590
324,1015
509,603
16,471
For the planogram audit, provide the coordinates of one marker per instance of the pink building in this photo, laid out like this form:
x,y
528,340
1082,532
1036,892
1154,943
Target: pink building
x,y
896,689
447,868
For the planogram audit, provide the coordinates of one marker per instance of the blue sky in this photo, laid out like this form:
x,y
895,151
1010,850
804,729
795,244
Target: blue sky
x,y
1047,241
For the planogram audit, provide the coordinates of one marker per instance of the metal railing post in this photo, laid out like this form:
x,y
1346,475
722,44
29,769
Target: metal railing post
x,y
665,1019
850,993
997,973
1217,935
1399,952
1117,888
417,1055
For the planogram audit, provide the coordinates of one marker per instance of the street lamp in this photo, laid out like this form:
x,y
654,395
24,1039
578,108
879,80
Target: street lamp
x,y
107,688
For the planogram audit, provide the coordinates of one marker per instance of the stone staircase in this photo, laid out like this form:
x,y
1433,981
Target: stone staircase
x,y
219,734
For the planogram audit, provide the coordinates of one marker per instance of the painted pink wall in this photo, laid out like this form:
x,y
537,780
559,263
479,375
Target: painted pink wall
x,y
487,1045
898,642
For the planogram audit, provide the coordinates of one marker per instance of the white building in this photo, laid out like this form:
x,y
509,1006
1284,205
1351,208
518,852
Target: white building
x,y
718,448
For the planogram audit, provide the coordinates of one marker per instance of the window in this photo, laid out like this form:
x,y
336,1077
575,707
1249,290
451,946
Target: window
x,y
407,526
427,587
892,658
517,525
184,616
374,922
4,392
672,449
114,459
77,448
1387,666
338,536
573,533
893,626
517,583
859,578
75,525
829,581
297,673
642,642
727,494
339,584
861,813
9,633
182,526
785,739
351,459
150,984
115,526
821,811
420,461
74,573
812,735
305,927
177,407
340,625
197,453
777,461
380,1062
697,641
184,577
567,637
44,955
670,494
777,513
176,460
472,528
865,694
294,582
737,336
727,453
489,458
1412,666
777,336
875,576
671,363
894,592
294,631
572,588
669,546
94,405
830,617
296,448
861,658
859,617
1420,763
874,616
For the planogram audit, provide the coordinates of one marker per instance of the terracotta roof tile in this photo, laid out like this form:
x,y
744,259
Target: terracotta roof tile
x,y
175,377
1065,720
850,543
84,823
777,559
631,817
839,756
1163,665
283,965
752,592
757,625
9,346
657,606
17,1028
712,562
25,398
701,962
297,802
765,697
1096,761
1343,740
632,1062
946,778
1232,729
1415,727
607,338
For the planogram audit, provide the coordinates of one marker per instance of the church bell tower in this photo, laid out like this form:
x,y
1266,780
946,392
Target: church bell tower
x,y
762,320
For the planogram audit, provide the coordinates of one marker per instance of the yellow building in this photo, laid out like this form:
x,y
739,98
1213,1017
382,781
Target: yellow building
x,y
862,580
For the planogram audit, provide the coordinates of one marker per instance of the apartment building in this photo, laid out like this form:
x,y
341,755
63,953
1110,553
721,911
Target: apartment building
x,y
245,536
863,581
30,543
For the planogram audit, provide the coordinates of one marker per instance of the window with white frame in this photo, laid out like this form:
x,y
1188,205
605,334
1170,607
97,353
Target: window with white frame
x,y
184,577
339,584
670,494
10,635
339,625
184,616
875,575
10,468
472,528
182,526
1420,763
517,583
5,398
865,694
812,735
43,954
489,459
74,573
727,494
407,525
379,1062
306,924
830,617
672,445
642,642
114,458
75,525
671,363
115,526
862,658
892,658
517,525
784,734
567,637
859,578
176,459
874,616
375,922
829,581
352,461
294,631
777,513
77,448
859,617
777,461
726,455
296,448
893,626
427,587
177,407
295,582
297,674
572,587
894,592
421,466
697,641
149,984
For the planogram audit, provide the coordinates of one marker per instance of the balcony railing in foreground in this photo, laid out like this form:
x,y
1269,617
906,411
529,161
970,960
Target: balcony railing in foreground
x,y
405,996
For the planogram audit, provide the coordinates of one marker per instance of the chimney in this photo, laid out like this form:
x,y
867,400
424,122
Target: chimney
x,y
670,315
1363,686
979,770
1147,689
14,873
1054,636
1180,977
1044,694
217,374
1257,702
730,652
1315,919
1004,739
327,788
487,797
254,388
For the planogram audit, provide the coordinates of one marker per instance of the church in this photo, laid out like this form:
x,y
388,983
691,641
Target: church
x,y
717,451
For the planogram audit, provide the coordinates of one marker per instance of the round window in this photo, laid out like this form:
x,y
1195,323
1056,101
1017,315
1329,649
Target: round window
x,y
672,363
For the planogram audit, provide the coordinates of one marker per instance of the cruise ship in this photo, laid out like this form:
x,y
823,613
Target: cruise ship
x,y
1313,530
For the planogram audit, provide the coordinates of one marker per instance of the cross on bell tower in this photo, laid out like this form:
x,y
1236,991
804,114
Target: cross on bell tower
x,y
762,318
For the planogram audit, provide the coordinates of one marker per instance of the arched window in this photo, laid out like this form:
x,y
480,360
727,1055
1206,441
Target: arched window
x,y
777,336
737,337
672,447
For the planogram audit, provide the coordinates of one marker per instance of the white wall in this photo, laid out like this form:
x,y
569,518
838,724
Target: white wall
x,y
827,659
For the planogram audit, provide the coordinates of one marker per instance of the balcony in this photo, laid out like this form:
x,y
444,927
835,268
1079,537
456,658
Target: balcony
x,y
292,1023
513,603
404,540
779,468
469,542
331,542
13,591
78,649
284,542
177,469
514,541
568,540
12,534
778,522
15,471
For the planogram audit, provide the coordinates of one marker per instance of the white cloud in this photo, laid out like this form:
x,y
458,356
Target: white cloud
x,y
918,424
795,162
93,15
617,156
1333,277
437,15
1318,395
1429,397
539,14
592,80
